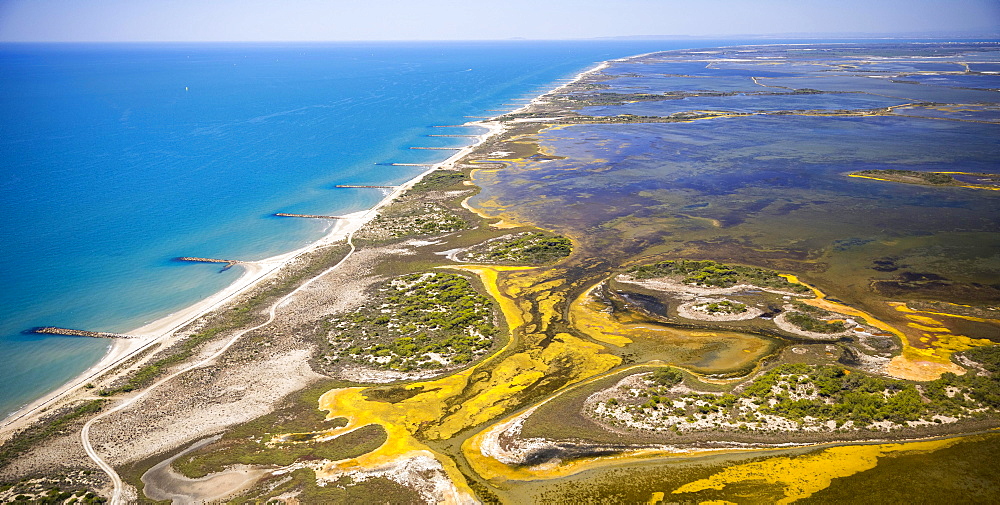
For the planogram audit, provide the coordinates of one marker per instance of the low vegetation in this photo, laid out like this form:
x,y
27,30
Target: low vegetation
x,y
794,397
924,177
717,275
611,98
807,322
422,321
439,179
721,307
42,431
666,377
302,484
253,443
54,495
248,451
425,219
240,316
528,247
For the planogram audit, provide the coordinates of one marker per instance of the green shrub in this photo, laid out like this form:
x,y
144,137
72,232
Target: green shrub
x,y
712,274
419,314
536,248
666,377
809,323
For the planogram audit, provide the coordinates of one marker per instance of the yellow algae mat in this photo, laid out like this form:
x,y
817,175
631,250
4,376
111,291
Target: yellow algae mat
x,y
802,476
440,408
915,363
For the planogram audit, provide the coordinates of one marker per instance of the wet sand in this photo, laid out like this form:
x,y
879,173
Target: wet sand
x,y
162,482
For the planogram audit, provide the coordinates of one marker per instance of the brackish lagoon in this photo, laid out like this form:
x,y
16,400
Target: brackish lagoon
x,y
742,155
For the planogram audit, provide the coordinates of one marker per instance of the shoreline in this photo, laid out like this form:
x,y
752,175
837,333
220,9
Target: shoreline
x,y
165,328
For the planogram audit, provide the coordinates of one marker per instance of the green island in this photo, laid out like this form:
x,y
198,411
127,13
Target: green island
x,y
972,180
426,219
933,178
723,306
803,398
711,273
525,247
653,284
430,320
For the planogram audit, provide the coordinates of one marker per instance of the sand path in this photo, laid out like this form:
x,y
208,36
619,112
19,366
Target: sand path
x,y
116,495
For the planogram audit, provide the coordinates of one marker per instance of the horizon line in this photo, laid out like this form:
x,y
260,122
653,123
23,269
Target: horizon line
x,y
625,38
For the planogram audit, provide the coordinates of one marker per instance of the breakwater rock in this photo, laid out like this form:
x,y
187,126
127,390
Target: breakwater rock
x,y
54,330
311,216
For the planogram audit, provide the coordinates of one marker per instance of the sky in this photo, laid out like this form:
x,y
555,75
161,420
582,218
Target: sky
x,y
343,20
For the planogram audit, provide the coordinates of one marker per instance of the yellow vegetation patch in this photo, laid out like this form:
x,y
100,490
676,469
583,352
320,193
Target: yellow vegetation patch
x,y
586,315
493,470
860,176
490,277
489,209
902,307
504,224
921,364
730,349
490,398
913,368
403,419
442,407
941,342
802,476
932,329
920,319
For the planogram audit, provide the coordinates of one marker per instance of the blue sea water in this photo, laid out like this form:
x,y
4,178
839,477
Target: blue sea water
x,y
118,158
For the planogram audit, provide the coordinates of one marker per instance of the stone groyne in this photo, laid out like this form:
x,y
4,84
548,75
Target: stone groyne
x,y
54,330
194,259
311,216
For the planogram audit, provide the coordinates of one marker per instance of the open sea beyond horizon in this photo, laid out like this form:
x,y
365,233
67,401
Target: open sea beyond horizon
x,y
118,158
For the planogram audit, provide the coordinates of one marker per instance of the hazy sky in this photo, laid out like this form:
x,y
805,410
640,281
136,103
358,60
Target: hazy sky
x,y
309,20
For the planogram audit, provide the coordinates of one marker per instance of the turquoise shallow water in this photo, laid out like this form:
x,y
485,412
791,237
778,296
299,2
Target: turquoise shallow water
x,y
117,158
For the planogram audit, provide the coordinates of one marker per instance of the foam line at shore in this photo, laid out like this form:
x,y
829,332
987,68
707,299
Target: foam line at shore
x,y
163,330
